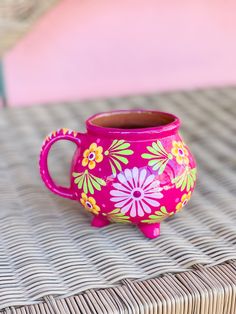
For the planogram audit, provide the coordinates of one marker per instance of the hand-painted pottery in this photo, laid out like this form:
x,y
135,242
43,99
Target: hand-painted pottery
x,y
130,167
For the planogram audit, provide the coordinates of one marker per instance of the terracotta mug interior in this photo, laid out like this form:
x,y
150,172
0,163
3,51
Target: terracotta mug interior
x,y
133,119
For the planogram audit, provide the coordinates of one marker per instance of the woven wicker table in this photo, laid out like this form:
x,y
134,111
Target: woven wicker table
x,y
52,261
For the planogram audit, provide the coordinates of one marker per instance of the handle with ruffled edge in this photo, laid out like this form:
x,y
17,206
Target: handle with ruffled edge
x,y
62,134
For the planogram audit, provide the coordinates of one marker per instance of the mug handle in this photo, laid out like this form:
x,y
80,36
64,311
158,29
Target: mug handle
x,y
61,134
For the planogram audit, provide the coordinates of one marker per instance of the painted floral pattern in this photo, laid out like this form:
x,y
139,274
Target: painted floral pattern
x,y
136,192
89,203
88,182
117,154
117,216
186,180
158,157
180,152
184,200
158,216
92,155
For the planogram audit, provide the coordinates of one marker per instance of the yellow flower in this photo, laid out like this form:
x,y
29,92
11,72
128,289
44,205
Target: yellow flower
x,y
184,200
180,152
92,155
89,203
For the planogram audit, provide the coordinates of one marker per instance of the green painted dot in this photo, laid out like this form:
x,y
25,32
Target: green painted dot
x,y
106,152
170,156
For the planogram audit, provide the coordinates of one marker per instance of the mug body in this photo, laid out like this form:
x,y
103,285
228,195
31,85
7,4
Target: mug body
x,y
133,167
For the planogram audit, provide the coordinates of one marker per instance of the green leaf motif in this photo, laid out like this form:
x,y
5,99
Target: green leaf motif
x,y
159,216
85,187
186,179
116,216
117,164
88,182
122,146
116,153
124,160
159,157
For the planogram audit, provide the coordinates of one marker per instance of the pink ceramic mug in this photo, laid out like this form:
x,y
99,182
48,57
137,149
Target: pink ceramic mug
x,y
130,167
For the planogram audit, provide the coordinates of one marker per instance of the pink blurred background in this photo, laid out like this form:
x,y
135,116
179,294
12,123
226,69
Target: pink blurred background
x,y
98,48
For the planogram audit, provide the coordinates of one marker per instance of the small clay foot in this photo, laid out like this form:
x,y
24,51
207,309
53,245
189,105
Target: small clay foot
x,y
150,231
100,222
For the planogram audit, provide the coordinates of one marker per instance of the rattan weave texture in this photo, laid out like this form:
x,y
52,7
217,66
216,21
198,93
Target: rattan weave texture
x,y
47,247
17,17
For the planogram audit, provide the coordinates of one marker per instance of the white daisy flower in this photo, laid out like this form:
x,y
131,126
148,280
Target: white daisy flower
x,y
136,192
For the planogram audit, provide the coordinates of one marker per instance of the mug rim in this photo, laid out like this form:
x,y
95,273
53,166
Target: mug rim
x,y
144,132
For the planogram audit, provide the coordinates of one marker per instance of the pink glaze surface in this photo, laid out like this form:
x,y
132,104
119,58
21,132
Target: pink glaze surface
x,y
139,176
